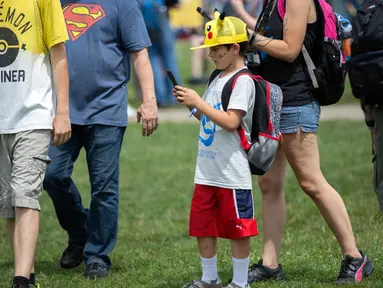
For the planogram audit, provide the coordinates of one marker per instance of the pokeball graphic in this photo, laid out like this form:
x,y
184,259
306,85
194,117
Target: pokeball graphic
x,y
9,47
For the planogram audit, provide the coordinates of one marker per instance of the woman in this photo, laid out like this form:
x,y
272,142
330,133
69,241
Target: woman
x,y
281,45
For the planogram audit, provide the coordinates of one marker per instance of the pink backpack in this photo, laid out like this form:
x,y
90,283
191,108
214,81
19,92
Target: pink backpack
x,y
328,76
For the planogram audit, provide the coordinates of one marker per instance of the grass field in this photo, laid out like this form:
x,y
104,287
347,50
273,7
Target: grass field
x,y
183,56
154,249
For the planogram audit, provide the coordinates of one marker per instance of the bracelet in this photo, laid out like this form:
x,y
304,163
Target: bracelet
x,y
192,112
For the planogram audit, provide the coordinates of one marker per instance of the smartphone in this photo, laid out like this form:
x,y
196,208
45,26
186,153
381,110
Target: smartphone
x,y
171,77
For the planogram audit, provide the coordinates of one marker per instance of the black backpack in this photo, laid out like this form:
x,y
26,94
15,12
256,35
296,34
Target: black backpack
x,y
366,64
265,135
367,35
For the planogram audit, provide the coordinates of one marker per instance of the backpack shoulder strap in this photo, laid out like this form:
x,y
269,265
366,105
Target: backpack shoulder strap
x,y
213,75
310,66
268,7
282,8
229,86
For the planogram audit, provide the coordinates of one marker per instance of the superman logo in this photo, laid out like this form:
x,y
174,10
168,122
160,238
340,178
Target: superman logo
x,y
79,18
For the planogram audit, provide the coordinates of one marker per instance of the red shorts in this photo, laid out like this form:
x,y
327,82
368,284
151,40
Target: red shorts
x,y
223,213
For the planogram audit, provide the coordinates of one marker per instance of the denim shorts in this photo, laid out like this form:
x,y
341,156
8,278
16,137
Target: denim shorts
x,y
306,117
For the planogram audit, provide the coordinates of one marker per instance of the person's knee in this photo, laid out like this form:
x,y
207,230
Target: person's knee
x,y
310,187
55,177
270,187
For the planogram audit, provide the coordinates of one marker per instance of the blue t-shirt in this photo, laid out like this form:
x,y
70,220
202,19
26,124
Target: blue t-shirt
x,y
102,34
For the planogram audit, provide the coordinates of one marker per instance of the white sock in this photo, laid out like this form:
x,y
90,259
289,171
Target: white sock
x,y
209,269
240,270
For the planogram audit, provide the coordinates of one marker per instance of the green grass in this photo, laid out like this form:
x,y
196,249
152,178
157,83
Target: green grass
x,y
184,61
154,249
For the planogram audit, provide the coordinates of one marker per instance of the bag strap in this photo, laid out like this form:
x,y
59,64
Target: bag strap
x,y
213,75
310,66
263,19
229,86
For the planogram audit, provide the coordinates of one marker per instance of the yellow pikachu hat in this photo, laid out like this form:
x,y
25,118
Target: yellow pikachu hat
x,y
223,30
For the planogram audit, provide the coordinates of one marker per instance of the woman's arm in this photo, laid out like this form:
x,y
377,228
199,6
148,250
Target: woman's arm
x,y
294,31
239,8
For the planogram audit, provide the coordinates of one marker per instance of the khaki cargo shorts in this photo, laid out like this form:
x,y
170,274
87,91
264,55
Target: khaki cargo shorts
x,y
23,162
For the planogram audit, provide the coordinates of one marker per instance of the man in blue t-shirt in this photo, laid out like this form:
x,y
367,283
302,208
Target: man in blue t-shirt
x,y
103,37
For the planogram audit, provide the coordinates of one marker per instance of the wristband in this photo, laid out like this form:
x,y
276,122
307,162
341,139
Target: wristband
x,y
192,112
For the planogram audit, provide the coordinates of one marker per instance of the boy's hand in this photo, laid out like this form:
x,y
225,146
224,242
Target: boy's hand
x,y
186,96
62,130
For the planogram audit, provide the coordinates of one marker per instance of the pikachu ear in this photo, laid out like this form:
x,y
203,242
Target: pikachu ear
x,y
220,19
216,14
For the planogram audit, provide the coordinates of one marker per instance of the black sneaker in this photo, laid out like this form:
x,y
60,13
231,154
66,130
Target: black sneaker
x,y
96,270
72,256
353,270
259,272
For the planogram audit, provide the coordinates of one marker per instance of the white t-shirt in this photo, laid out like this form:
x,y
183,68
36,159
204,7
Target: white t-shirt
x,y
28,29
221,160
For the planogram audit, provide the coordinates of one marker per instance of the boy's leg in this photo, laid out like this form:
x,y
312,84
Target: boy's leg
x,y
237,222
25,239
203,226
30,159
208,253
11,232
241,257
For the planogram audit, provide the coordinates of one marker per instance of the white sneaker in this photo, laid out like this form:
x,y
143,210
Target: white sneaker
x,y
132,113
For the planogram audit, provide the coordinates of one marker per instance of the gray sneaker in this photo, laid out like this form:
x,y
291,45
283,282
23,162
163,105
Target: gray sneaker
x,y
202,284
232,285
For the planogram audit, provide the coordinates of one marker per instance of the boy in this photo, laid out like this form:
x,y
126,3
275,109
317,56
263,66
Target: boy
x,y
30,31
222,204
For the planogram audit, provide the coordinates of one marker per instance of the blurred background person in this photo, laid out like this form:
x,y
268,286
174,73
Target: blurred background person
x,y
162,53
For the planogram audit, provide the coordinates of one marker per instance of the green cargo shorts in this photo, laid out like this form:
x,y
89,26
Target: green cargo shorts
x,y
24,159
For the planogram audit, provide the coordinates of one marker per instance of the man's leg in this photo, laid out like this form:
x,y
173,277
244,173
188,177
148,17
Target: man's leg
x,y
30,159
103,147
66,198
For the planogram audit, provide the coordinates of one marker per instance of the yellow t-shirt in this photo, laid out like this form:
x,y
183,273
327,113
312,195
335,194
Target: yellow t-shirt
x,y
28,29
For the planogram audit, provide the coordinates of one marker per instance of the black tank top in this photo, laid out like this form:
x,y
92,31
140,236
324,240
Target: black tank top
x,y
294,81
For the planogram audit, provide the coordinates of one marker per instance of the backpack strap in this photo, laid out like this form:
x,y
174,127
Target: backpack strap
x,y
225,99
229,86
310,66
213,75
268,7
282,8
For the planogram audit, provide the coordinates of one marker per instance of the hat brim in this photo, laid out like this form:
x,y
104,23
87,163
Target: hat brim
x,y
204,46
